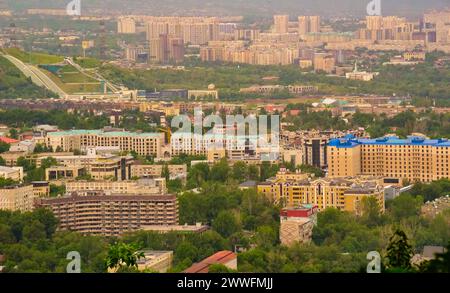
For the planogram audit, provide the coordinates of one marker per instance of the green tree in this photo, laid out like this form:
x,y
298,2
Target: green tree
x,y
225,223
370,210
399,251
220,171
4,147
2,161
165,173
405,206
219,268
240,171
123,255
13,133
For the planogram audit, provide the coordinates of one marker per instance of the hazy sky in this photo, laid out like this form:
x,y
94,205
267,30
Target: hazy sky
x,y
241,7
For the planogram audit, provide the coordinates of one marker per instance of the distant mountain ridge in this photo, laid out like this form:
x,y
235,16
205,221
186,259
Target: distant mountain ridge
x,y
411,8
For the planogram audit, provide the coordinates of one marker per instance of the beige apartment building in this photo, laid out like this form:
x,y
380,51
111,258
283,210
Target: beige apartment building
x,y
142,186
413,159
17,198
344,193
14,173
151,171
145,144
100,167
308,24
126,25
192,30
112,215
281,24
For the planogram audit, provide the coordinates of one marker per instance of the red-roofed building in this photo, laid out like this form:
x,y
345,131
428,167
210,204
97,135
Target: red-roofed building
x,y
224,257
296,224
8,140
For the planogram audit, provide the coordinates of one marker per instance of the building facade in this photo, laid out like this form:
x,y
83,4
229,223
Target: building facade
x,y
345,194
112,215
17,198
413,159
145,144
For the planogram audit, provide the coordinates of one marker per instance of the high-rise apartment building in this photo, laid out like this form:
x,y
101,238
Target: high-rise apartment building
x,y
315,151
440,20
166,49
193,30
308,24
126,25
324,62
413,159
281,24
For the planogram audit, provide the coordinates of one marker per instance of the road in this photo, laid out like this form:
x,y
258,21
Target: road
x,y
36,75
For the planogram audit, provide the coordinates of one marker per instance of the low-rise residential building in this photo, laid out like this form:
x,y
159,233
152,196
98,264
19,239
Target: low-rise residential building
x,y
156,261
41,188
145,144
63,173
296,224
13,173
141,186
151,171
17,198
342,193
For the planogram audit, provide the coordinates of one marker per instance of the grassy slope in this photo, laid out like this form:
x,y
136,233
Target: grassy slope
x,y
13,84
34,58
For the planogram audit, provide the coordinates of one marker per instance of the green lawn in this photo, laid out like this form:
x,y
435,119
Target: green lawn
x,y
34,58
73,81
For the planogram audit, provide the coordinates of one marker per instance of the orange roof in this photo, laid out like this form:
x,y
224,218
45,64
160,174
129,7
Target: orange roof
x,y
8,140
221,257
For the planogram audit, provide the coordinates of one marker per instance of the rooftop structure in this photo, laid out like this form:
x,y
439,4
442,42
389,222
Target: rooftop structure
x,y
225,257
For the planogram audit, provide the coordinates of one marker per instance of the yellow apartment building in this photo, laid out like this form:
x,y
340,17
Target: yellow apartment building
x,y
414,159
344,193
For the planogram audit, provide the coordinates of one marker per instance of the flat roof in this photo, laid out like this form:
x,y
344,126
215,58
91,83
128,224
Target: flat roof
x,y
104,133
349,142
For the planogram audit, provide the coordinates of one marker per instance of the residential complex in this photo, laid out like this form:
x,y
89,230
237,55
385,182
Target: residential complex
x,y
413,159
112,215
142,143
344,193
133,187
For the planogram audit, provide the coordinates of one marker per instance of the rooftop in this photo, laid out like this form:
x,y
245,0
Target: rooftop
x,y
221,257
8,140
350,141
104,133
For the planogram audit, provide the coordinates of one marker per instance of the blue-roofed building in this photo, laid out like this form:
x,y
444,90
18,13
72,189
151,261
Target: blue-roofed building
x,y
415,158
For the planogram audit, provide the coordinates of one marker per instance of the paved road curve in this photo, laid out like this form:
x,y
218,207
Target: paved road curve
x,y
36,75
